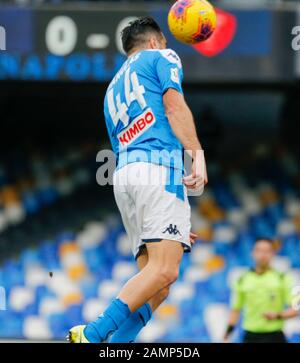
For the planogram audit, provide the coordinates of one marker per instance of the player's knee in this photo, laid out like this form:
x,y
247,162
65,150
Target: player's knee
x,y
169,275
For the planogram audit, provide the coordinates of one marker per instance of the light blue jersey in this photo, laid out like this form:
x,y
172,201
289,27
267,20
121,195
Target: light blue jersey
x,y
134,111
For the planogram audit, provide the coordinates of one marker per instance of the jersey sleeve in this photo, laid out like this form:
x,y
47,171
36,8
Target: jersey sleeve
x,y
237,296
169,70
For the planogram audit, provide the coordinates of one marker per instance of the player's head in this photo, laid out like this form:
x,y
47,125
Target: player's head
x,y
143,33
263,251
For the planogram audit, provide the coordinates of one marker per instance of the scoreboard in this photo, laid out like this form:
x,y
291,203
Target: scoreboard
x,y
82,42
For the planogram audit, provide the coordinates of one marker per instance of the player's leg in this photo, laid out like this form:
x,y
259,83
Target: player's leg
x,y
157,209
161,271
136,321
161,296
154,210
128,332
157,299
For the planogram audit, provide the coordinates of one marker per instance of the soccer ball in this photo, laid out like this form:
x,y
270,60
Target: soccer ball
x,y
192,21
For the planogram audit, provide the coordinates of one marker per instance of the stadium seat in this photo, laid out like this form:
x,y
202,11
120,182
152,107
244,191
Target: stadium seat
x,y
73,314
90,264
123,245
234,274
292,328
181,292
12,325
168,313
35,276
51,305
57,325
123,271
294,338
92,308
20,297
202,253
216,317
108,289
153,331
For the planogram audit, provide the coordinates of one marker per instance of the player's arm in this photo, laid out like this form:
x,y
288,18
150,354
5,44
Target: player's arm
x,y
181,120
170,74
284,315
234,317
237,304
289,314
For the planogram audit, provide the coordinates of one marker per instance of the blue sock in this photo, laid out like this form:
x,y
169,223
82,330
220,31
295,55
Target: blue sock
x,y
111,319
133,325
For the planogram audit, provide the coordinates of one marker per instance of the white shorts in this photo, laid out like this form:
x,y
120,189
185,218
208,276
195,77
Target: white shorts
x,y
149,212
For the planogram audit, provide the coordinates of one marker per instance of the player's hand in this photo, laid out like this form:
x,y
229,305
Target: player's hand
x,y
193,238
270,316
198,178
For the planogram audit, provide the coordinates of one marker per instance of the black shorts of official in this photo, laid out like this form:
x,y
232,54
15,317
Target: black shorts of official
x,y
274,337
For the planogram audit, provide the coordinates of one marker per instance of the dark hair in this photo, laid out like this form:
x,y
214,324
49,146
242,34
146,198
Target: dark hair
x,y
266,239
135,33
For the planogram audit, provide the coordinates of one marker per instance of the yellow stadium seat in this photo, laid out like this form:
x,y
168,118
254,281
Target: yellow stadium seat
x,y
269,196
215,263
68,247
76,272
277,245
205,233
209,209
10,195
167,311
72,299
297,223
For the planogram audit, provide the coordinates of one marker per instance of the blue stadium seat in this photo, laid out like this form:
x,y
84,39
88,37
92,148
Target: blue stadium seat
x,y
13,274
47,196
30,202
11,324
41,293
89,289
31,309
73,314
94,258
30,257
295,338
58,325
274,213
218,287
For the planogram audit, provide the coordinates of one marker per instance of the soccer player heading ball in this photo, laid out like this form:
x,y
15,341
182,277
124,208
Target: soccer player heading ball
x,y
149,124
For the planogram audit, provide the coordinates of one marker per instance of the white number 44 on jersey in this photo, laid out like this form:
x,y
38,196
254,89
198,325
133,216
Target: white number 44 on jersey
x,y
118,110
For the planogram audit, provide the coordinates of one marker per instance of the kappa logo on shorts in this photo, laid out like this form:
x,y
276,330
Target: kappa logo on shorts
x,y
172,230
